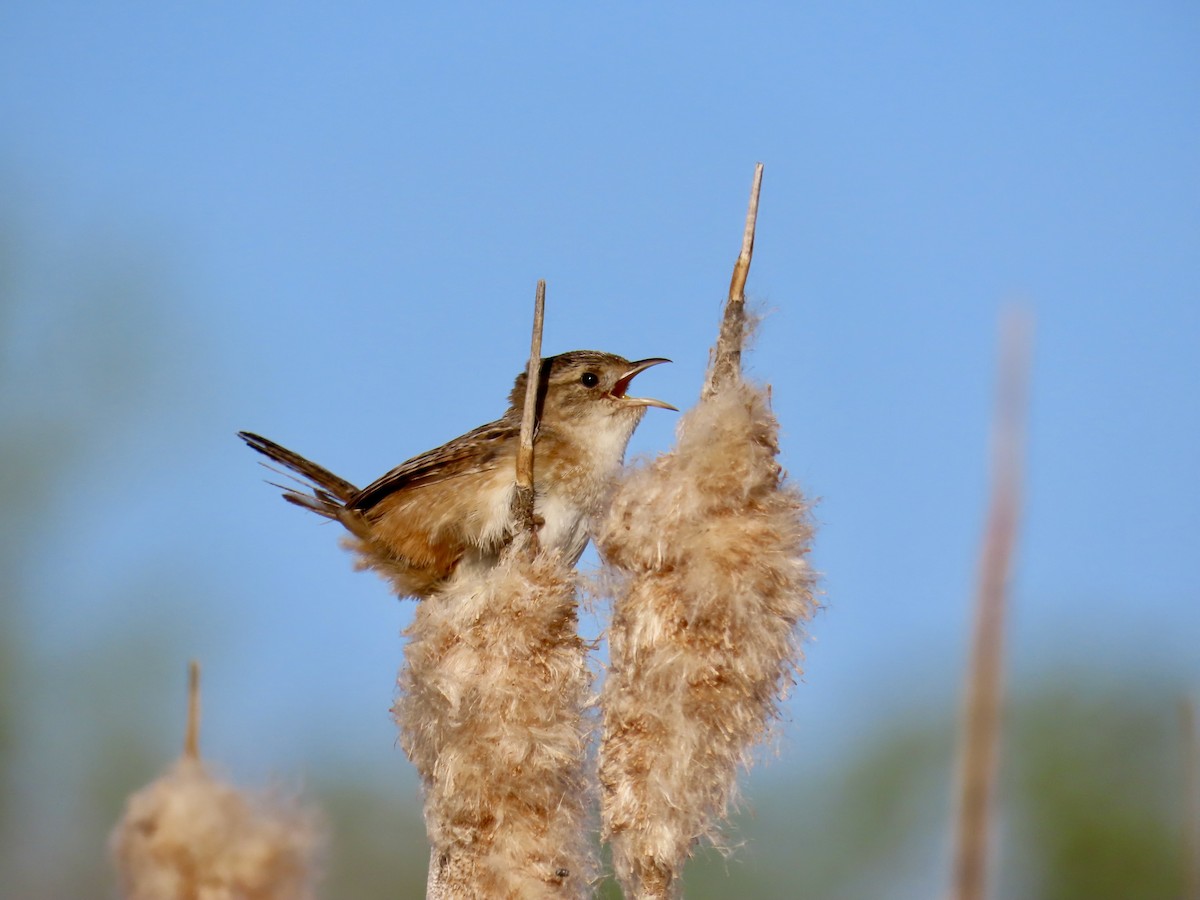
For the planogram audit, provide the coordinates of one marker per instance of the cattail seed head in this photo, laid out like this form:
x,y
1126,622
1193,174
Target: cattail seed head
x,y
189,836
704,642
491,713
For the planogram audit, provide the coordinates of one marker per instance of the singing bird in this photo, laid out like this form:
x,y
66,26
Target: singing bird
x,y
452,505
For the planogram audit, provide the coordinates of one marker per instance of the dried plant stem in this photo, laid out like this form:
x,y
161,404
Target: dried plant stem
x,y
1191,803
980,729
491,713
191,737
727,357
523,498
708,543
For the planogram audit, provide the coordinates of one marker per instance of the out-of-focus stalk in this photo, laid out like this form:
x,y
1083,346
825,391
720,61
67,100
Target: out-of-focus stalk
x,y
979,737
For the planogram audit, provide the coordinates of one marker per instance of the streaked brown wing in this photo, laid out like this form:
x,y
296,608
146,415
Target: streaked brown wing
x,y
474,452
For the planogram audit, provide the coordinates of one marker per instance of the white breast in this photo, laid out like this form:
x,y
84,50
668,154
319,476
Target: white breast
x,y
565,514
565,526
494,510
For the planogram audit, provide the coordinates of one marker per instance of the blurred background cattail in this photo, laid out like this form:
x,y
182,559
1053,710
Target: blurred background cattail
x,y
189,835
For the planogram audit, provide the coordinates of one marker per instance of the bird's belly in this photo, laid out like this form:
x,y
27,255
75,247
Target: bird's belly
x,y
563,523
564,526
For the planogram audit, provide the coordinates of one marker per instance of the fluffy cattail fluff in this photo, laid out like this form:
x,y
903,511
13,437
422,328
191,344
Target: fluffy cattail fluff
x,y
491,713
188,836
710,541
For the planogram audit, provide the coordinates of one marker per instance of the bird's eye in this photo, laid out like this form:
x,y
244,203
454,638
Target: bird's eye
x,y
589,379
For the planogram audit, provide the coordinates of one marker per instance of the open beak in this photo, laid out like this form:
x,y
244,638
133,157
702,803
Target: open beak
x,y
622,385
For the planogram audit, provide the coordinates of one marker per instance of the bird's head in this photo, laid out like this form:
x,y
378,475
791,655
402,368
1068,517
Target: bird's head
x,y
588,388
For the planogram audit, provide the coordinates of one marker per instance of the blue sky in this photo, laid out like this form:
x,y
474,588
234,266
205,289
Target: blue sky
x,y
336,219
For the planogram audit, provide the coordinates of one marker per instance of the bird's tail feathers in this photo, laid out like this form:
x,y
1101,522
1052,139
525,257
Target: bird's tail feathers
x,y
323,492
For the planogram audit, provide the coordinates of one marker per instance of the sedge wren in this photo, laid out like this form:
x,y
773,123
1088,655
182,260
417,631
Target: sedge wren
x,y
452,505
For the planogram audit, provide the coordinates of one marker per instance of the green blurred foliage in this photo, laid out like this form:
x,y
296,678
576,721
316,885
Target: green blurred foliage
x,y
78,340
1098,778
374,853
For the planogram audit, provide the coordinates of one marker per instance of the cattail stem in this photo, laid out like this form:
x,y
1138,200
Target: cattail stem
x,y
191,737
727,357
979,737
523,498
1191,801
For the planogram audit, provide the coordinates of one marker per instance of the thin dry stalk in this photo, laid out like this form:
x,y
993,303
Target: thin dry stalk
x,y
709,542
979,738
491,714
523,498
191,737
1191,804
726,361
188,836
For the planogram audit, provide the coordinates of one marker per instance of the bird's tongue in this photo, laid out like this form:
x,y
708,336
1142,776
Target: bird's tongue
x,y
622,386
